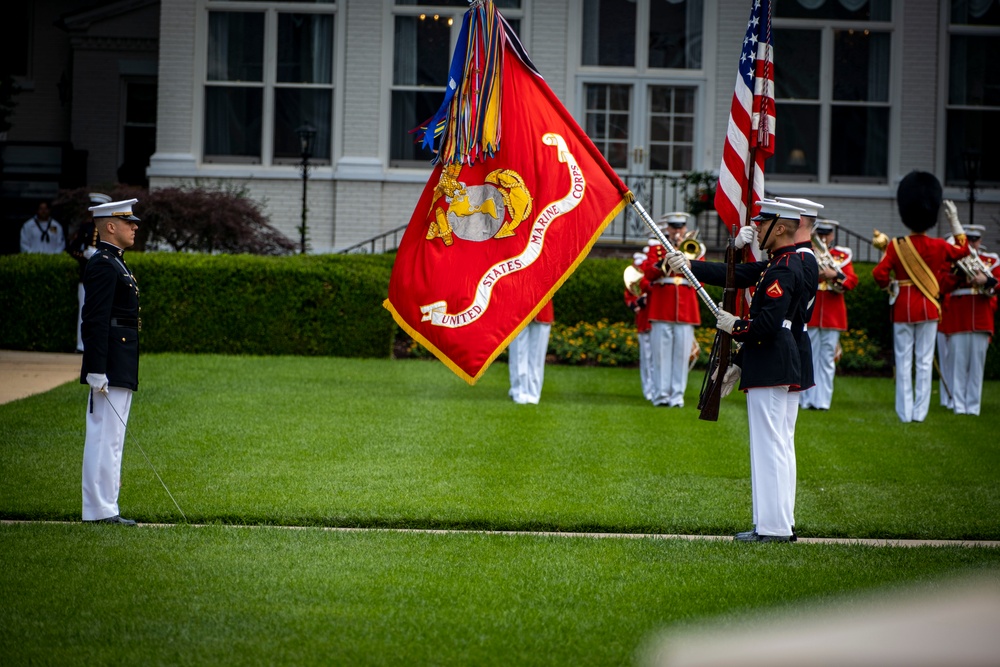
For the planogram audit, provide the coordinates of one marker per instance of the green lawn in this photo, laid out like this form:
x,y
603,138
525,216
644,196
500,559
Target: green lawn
x,y
340,442
318,441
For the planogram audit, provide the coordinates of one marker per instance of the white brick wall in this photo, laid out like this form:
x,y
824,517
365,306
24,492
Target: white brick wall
x,y
175,105
346,212
918,103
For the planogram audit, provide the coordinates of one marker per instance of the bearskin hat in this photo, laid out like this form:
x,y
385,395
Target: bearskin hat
x,y
919,199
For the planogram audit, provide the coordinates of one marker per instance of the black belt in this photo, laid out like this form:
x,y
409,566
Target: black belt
x,y
128,323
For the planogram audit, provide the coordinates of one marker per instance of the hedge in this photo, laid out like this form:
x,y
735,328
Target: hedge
x,y
236,304
313,305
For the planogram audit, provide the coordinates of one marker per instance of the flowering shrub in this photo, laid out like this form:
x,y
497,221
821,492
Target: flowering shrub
x,y
861,354
601,344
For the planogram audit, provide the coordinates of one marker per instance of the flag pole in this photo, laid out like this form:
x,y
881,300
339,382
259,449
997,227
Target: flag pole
x,y
686,270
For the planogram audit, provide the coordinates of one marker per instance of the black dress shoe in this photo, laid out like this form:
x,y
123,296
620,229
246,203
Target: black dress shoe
x,y
114,519
754,536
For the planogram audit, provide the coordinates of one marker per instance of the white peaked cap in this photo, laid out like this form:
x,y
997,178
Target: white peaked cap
x,y
98,198
676,218
770,208
115,209
808,207
826,226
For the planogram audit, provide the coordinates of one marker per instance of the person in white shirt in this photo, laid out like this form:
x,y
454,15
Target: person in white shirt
x,y
42,234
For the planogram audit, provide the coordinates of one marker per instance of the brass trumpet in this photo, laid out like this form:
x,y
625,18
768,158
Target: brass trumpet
x,y
692,248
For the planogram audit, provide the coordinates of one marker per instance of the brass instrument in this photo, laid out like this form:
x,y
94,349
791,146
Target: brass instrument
x,y
692,248
823,256
826,261
972,264
633,277
880,240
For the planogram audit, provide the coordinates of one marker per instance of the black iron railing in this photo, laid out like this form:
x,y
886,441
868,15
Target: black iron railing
x,y
383,243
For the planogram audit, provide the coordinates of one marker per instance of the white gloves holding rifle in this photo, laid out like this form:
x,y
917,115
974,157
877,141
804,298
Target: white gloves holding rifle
x,y
725,321
952,214
746,236
98,381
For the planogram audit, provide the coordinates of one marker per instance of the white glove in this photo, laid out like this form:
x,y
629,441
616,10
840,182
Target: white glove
x,y
89,252
677,261
952,214
98,381
725,321
746,236
731,379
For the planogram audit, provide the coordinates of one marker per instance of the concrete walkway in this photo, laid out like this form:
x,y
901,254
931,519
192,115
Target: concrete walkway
x,y
27,373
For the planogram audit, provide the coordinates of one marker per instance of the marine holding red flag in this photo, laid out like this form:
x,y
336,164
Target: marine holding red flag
x,y
517,199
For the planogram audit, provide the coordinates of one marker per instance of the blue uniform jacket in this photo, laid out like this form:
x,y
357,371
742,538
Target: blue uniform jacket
x,y
110,319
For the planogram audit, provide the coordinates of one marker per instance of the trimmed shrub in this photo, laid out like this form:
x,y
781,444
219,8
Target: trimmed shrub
x,y
234,304
332,305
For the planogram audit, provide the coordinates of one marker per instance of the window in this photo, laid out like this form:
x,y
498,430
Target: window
x,y
639,75
138,131
833,105
423,42
972,113
672,39
268,72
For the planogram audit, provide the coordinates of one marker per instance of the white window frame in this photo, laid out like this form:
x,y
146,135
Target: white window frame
x,y
390,11
944,80
641,75
827,27
269,84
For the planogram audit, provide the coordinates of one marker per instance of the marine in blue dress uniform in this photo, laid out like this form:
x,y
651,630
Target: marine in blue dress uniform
x,y
770,360
110,331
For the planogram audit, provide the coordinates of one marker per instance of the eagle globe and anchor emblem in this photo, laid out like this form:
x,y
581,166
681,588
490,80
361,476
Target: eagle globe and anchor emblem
x,y
492,210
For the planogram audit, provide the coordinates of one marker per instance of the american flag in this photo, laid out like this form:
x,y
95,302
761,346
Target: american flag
x,y
751,121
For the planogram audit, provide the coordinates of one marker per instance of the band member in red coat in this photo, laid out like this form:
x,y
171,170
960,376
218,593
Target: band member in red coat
x,y
911,265
969,310
526,357
673,315
829,315
637,299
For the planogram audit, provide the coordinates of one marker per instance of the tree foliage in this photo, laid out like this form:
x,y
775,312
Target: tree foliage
x,y
189,219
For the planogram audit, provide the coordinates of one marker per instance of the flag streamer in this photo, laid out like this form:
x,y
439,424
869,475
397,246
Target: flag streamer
x,y
466,128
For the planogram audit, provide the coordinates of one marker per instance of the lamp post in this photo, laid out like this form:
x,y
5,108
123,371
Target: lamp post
x,y
306,135
970,159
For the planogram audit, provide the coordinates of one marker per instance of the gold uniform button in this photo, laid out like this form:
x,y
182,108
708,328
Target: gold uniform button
x,y
123,340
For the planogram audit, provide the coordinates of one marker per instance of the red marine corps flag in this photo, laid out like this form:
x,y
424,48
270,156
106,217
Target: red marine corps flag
x,y
518,197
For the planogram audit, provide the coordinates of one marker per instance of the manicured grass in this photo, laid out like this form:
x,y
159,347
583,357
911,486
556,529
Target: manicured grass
x,y
318,441
321,441
85,595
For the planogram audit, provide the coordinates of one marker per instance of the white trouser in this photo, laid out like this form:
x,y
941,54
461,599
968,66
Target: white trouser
x,y
79,317
968,360
824,349
671,347
791,417
944,360
102,451
770,462
914,350
527,362
646,365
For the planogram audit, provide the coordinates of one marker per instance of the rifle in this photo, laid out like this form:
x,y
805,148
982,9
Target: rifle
x,y
722,348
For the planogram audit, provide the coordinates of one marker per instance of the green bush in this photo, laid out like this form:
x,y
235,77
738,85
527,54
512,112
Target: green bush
x,y
236,304
331,305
